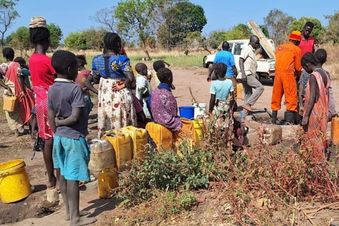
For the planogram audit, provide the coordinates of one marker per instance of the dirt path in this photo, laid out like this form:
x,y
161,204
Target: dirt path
x,y
12,147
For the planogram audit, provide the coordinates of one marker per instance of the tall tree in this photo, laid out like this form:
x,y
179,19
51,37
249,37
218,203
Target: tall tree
x,y
180,20
332,32
139,19
277,23
133,18
105,17
8,14
56,35
318,30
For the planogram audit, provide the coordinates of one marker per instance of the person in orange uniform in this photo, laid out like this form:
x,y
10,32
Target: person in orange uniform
x,y
287,69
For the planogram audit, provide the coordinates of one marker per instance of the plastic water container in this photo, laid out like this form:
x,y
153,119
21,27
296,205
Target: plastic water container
x,y
122,145
9,103
14,182
162,137
199,110
108,180
335,130
139,138
102,156
187,112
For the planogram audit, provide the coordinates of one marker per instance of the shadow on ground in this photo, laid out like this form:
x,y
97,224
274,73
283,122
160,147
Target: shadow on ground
x,y
101,205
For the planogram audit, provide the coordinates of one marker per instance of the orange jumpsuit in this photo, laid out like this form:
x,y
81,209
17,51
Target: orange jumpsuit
x,y
287,66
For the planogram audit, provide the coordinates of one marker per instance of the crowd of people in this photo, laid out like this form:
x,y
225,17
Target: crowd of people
x,y
57,101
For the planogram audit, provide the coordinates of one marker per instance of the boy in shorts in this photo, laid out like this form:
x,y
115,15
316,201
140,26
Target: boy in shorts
x,y
68,119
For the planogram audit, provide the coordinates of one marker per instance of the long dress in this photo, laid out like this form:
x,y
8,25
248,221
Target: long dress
x,y
24,103
115,108
317,125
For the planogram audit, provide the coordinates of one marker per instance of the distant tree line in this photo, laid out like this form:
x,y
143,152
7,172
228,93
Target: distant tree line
x,y
162,23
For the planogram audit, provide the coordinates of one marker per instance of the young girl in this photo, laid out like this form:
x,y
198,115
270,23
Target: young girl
x,y
315,115
68,119
221,105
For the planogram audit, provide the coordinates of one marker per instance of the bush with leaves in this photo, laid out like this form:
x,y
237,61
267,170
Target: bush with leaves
x,y
190,169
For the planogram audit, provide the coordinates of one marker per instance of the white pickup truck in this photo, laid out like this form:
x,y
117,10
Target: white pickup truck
x,y
266,65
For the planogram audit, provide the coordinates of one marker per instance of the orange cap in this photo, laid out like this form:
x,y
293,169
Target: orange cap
x,y
295,35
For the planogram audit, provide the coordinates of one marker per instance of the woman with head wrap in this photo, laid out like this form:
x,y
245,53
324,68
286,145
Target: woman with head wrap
x,y
43,75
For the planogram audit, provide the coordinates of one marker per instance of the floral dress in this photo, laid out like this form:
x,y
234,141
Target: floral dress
x,y
115,108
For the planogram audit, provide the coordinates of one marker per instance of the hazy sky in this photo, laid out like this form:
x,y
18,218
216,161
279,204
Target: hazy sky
x,y
76,15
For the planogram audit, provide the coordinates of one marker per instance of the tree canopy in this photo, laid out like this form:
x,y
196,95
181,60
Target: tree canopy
x,y
19,39
88,39
180,20
56,35
332,31
8,14
240,31
277,23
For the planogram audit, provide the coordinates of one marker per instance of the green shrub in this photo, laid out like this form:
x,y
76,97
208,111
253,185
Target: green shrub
x,y
174,202
190,169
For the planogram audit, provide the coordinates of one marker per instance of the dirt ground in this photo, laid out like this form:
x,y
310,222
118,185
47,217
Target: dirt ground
x,y
35,211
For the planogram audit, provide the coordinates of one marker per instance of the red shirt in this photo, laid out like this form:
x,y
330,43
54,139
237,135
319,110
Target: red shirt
x,y
42,72
306,45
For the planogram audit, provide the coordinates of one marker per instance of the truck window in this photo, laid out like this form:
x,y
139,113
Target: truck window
x,y
231,47
238,48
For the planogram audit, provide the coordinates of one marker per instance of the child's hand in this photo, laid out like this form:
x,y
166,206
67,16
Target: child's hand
x,y
57,121
118,86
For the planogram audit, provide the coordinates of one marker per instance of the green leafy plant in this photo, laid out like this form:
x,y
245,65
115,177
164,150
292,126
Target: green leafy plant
x,y
189,169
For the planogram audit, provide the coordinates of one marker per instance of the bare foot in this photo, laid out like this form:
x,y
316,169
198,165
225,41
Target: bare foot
x,y
247,107
84,221
51,183
82,214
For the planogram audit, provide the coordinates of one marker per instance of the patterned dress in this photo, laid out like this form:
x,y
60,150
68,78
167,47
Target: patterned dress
x,y
115,108
317,124
221,129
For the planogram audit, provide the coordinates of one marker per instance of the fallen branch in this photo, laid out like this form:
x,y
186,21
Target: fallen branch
x,y
323,207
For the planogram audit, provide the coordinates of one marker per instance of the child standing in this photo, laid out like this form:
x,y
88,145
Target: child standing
x,y
81,79
221,105
321,56
143,88
68,119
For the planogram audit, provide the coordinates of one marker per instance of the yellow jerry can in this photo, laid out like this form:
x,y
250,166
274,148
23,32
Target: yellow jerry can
x,y
162,137
139,138
122,146
107,181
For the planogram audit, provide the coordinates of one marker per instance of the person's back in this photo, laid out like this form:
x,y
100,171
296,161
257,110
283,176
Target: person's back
x,y
221,89
41,70
63,96
163,103
227,58
286,54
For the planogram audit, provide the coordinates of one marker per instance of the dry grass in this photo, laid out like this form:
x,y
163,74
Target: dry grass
x,y
175,58
332,64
